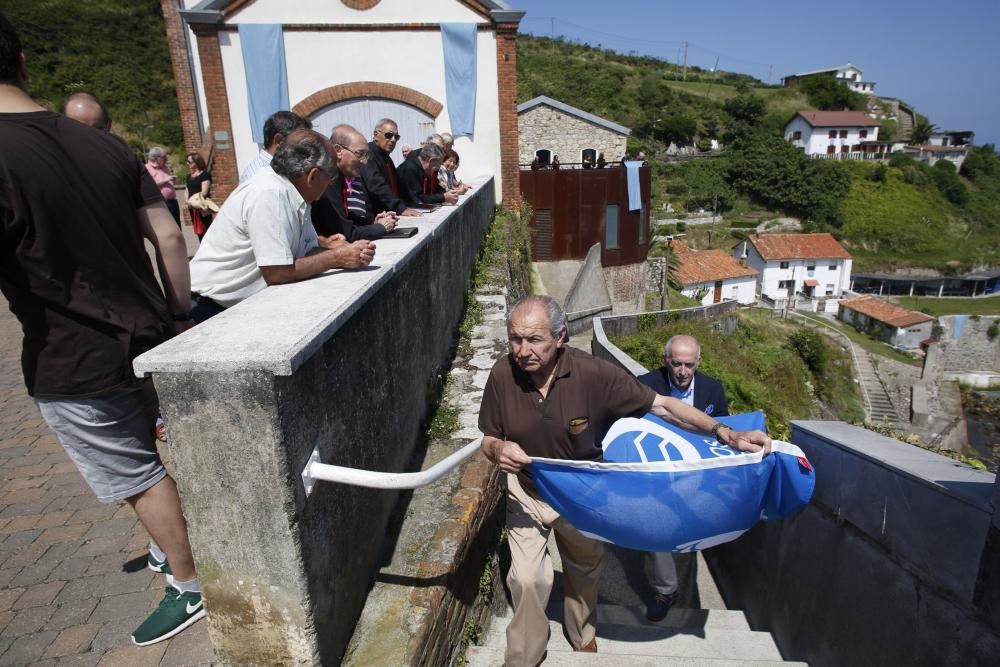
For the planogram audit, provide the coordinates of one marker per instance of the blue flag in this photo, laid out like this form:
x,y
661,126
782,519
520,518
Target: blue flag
x,y
661,488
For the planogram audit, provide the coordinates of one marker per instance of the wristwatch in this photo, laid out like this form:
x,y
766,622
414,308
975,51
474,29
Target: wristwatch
x,y
718,427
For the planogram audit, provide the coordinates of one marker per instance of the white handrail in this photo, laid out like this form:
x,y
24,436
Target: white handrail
x,y
316,471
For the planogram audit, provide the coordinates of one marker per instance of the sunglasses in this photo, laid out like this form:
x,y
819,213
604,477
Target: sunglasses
x,y
389,136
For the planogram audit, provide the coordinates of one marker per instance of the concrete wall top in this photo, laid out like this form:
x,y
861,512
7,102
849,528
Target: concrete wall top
x,y
280,327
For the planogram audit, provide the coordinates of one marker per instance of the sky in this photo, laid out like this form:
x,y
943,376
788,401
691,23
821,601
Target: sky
x,y
941,57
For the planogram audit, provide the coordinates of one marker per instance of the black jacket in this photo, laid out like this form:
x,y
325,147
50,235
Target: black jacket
x,y
419,187
709,396
330,215
379,175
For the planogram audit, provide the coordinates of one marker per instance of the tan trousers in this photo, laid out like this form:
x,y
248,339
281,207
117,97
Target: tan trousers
x,y
529,520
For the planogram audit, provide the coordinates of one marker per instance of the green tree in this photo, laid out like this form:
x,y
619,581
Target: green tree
x,y
981,163
677,128
826,93
745,114
949,183
809,346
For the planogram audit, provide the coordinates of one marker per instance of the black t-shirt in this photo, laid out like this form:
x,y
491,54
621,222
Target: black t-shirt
x,y
72,262
194,182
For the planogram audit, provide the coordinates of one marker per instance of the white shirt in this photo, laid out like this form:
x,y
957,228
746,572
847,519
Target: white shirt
x,y
264,222
263,159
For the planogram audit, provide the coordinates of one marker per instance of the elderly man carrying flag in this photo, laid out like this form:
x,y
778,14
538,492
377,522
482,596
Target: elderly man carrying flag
x,y
548,400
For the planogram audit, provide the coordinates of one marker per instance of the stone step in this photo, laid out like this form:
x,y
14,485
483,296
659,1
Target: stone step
x,y
697,642
484,656
610,614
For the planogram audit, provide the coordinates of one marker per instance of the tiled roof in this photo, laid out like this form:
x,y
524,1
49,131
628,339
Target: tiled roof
x,y
703,266
838,119
883,311
798,246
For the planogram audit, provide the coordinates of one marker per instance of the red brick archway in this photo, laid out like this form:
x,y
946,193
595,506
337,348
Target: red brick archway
x,y
348,91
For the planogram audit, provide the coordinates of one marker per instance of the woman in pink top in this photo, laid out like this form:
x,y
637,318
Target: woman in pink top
x,y
164,178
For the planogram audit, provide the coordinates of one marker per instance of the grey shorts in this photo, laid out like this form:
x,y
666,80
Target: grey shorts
x,y
110,438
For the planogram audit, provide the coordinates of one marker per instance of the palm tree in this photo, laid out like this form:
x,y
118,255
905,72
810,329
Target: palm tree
x,y
921,132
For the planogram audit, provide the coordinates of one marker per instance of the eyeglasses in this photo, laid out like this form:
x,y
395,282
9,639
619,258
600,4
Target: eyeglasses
x,y
361,154
389,136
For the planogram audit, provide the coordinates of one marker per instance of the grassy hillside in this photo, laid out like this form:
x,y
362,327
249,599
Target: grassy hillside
x,y
113,49
762,370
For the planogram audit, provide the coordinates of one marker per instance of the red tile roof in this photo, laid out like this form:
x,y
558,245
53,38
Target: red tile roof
x,y
838,119
883,311
703,266
798,246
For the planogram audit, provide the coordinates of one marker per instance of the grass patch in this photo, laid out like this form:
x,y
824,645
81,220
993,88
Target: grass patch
x,y
936,307
871,345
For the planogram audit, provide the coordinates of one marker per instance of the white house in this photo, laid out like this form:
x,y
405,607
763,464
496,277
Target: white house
x,y
792,266
713,276
849,74
352,61
893,324
932,154
835,134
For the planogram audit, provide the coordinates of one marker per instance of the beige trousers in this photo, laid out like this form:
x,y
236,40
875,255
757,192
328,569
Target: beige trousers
x,y
529,520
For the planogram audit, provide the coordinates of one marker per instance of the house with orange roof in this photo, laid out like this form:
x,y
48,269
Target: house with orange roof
x,y
892,324
713,276
836,134
812,268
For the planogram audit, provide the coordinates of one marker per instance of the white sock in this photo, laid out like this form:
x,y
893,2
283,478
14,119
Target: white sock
x,y
156,551
187,586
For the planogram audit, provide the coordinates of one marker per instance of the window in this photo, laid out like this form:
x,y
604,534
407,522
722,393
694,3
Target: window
x,y
832,267
588,155
784,265
797,135
843,134
735,293
829,289
830,150
785,284
811,268
863,134
544,156
611,227
856,148
833,134
845,149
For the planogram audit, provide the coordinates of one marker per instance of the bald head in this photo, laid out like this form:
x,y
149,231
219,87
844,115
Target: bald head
x,y
681,357
87,109
349,149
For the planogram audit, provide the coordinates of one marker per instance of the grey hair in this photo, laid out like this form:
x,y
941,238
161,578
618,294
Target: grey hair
x,y
557,320
435,139
432,152
156,151
448,137
382,122
302,150
670,343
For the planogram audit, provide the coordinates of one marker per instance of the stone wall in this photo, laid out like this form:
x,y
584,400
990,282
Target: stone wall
x,y
965,345
627,287
565,135
335,363
893,562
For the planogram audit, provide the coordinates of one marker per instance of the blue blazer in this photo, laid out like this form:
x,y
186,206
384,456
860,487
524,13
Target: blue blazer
x,y
709,396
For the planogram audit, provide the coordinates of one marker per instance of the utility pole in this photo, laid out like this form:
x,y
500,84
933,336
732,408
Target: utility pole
x,y
552,27
769,74
685,75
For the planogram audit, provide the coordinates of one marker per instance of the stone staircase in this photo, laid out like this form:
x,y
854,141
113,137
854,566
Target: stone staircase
x,y
698,632
881,407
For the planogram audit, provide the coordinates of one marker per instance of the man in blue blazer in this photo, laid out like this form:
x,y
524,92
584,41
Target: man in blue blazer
x,y
679,377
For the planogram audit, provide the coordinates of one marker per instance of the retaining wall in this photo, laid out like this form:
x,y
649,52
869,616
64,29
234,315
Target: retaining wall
x,y
346,362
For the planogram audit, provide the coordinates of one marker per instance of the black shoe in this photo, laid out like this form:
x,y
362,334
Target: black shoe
x,y
658,608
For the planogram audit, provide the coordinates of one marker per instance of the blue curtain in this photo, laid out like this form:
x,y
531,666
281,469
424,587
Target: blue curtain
x,y
459,41
632,180
263,48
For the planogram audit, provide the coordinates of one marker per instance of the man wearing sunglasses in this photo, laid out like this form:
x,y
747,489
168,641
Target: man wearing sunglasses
x,y
679,377
379,175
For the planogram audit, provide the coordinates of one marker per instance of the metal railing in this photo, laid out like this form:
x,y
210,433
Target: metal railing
x,y
315,471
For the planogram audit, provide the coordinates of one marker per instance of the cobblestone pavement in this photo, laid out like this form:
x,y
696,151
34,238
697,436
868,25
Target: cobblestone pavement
x,y
73,582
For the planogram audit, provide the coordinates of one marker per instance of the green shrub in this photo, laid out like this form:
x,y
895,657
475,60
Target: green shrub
x,y
809,346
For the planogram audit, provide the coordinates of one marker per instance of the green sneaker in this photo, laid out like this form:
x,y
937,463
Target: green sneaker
x,y
161,566
176,611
